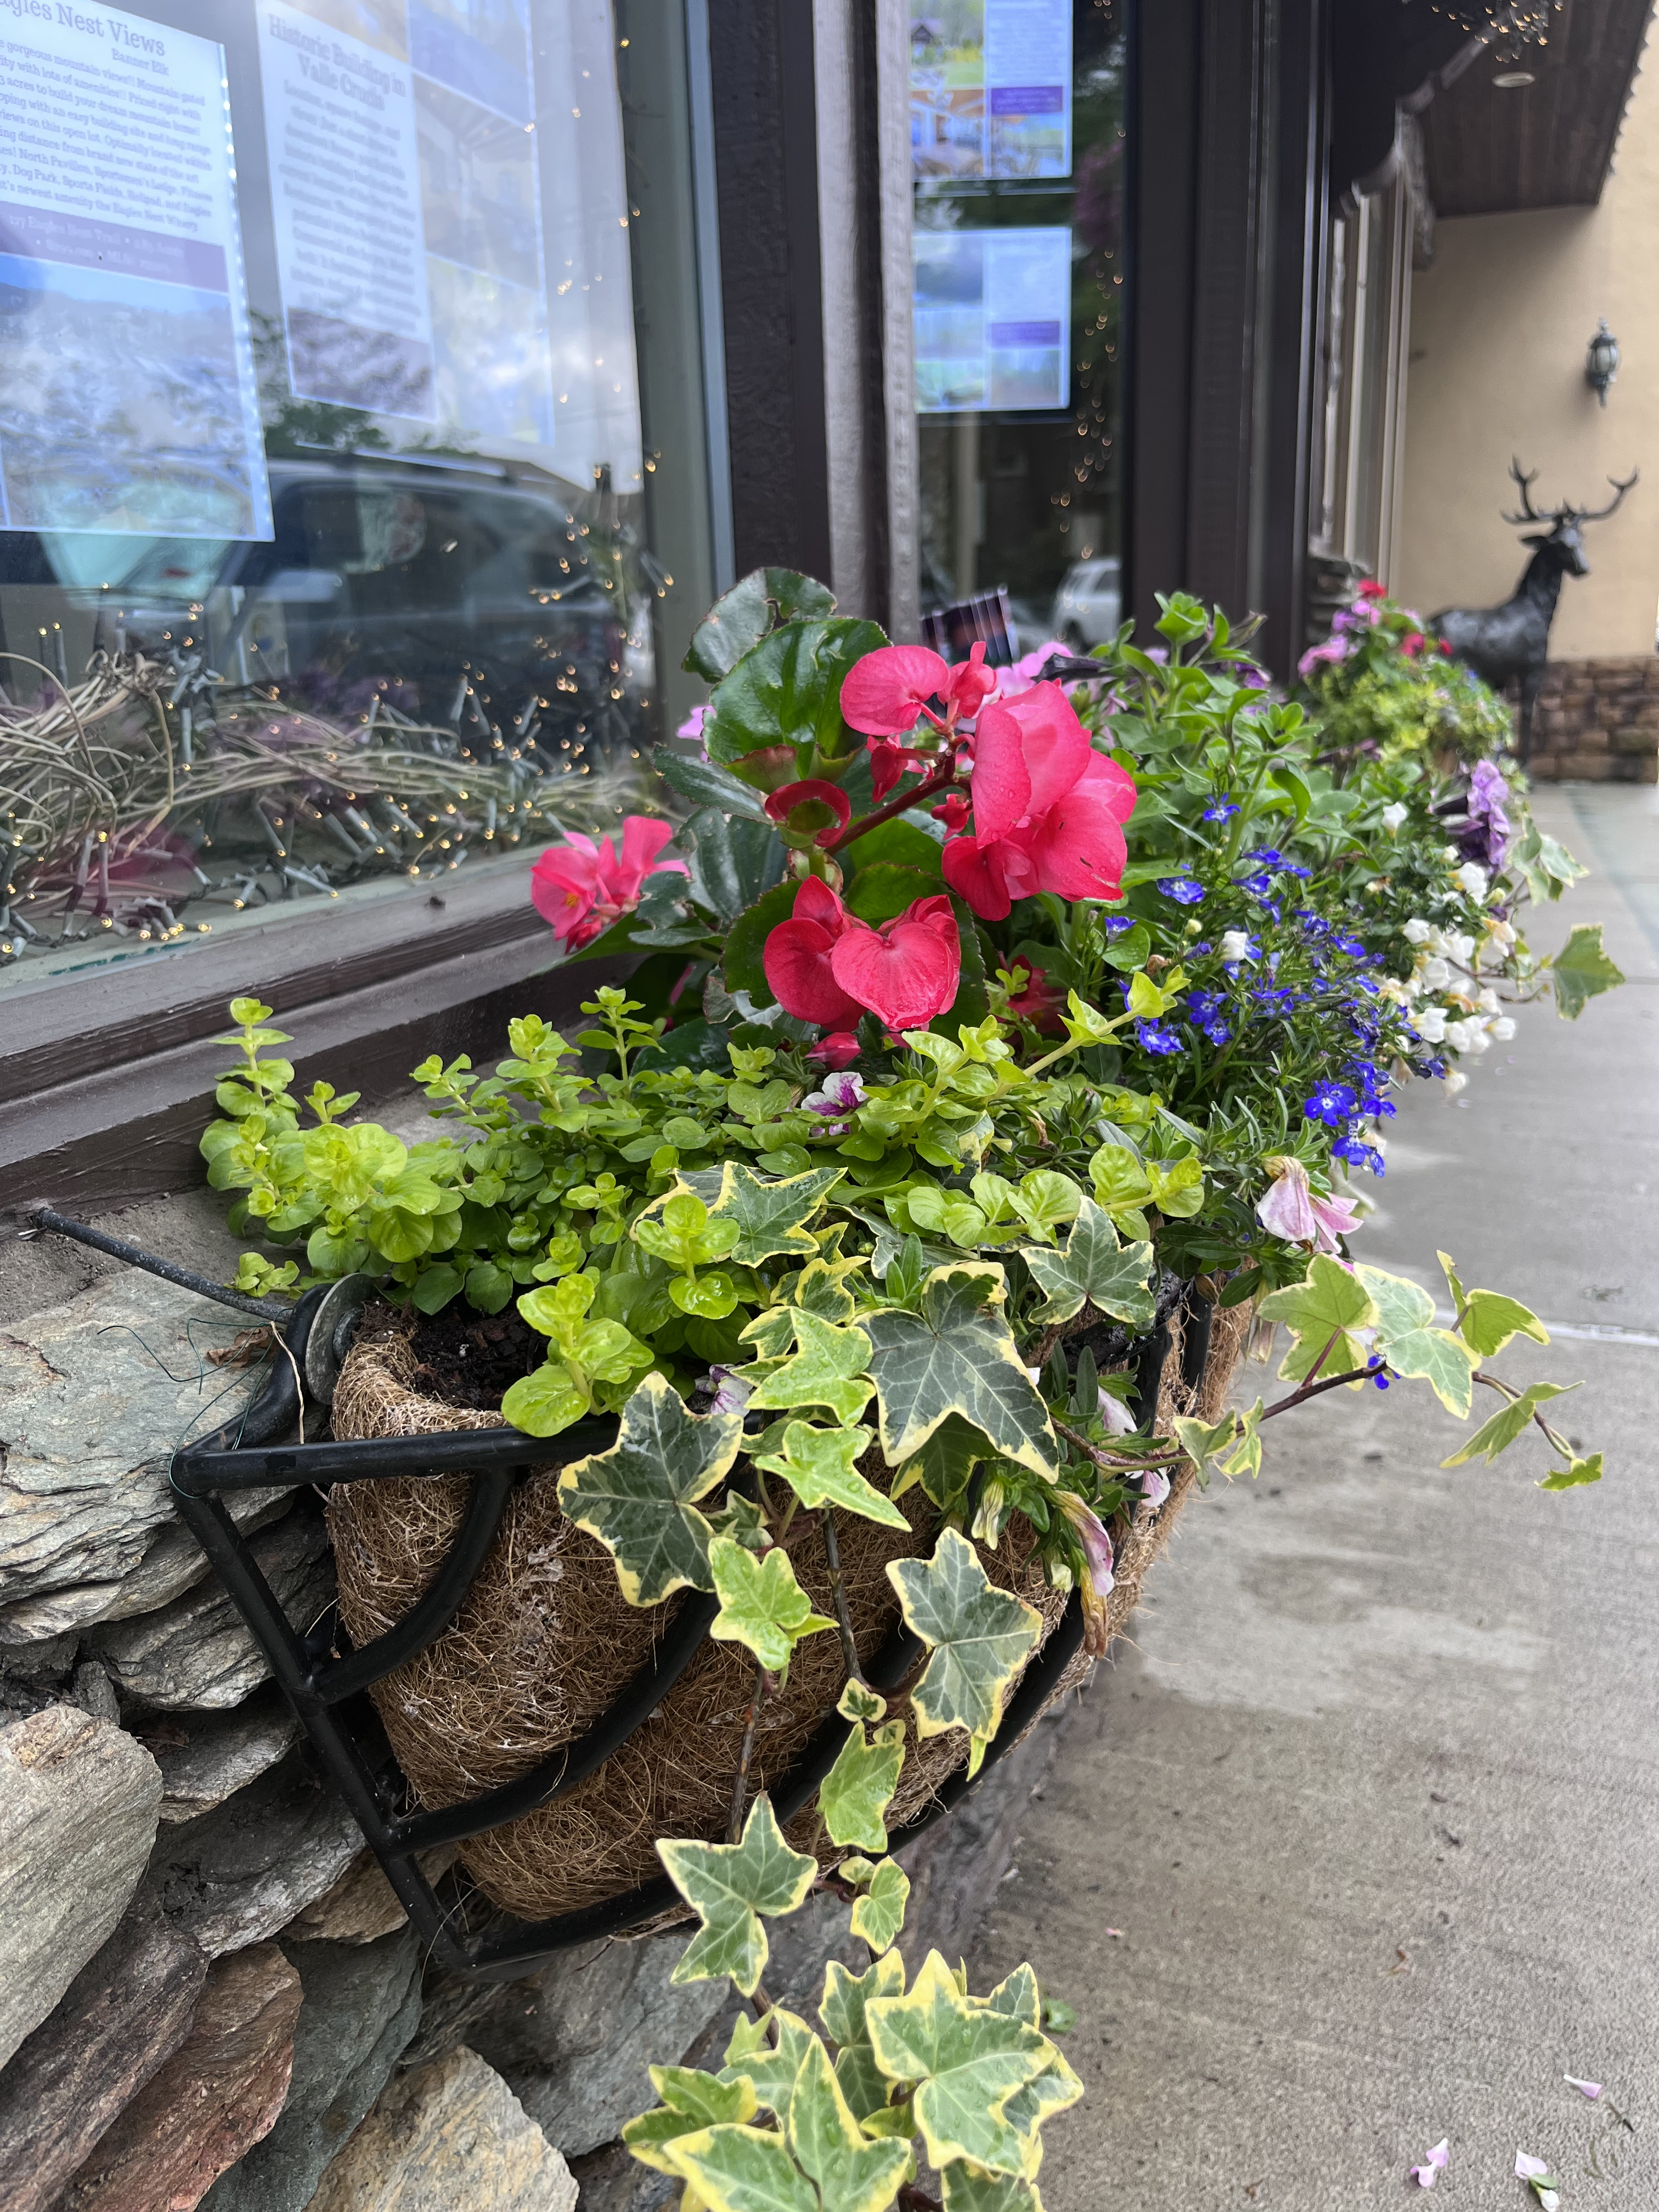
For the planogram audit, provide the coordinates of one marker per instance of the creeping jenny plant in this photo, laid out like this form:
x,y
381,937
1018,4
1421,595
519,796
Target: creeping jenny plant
x,y
978,1024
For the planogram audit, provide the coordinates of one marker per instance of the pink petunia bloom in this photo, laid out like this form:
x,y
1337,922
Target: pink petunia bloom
x,y
1097,1570
825,965
837,1050
1334,649
1290,1209
581,888
1049,811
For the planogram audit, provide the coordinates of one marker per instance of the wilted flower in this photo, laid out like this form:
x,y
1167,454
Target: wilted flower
x,y
1290,1209
732,1394
581,887
1433,2166
1098,1565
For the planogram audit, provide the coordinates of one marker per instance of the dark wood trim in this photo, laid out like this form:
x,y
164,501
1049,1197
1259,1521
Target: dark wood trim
x,y
125,1014
1160,234
772,281
122,1134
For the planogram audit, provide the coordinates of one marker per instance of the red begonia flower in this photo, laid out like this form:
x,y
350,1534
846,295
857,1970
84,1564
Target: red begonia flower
x,y
889,764
1049,810
1038,1002
953,811
1371,589
837,1050
883,694
581,887
796,959
968,682
907,972
1412,643
812,796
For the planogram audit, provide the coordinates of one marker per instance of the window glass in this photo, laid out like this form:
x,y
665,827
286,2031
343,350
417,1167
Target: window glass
x,y
1016,134
327,525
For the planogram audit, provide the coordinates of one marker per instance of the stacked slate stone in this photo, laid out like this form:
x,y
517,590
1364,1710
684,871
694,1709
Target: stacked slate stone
x,y
208,1993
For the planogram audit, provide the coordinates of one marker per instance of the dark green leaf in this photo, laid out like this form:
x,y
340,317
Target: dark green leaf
x,y
879,893
640,1498
788,691
955,1355
710,785
737,623
742,966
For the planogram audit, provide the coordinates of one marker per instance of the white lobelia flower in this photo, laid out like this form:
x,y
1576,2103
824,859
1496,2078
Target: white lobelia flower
x,y
1504,1028
1487,1002
1460,947
1235,946
1416,931
1455,1080
1474,878
1429,1023
1436,974
1393,815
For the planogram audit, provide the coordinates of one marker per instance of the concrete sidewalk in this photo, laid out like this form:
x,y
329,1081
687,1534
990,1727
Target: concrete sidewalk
x,y
1360,1846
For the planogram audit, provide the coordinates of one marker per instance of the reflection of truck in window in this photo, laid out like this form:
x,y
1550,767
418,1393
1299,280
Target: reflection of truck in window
x,y
453,592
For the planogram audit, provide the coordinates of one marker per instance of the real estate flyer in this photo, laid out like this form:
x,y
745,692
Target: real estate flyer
x,y
991,89
128,402
993,319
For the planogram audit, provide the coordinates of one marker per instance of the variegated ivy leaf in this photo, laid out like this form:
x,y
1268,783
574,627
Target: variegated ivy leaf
x,y
1020,1995
742,1519
878,1913
771,1218
944,1462
820,1465
1411,1346
1509,1423
640,1498
1053,2090
845,1995
1094,1269
1322,1313
968,2063
851,2172
981,1636
771,2069
771,1333
968,2190
730,1885
762,1604
957,1355
859,1786
1233,1443
1486,1319
743,2170
690,2100
1575,1471
859,1702
820,1288
827,1371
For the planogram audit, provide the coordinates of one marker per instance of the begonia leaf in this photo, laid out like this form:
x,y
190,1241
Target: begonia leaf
x,y
968,2063
640,1496
762,1606
730,1885
743,615
980,1637
859,1786
1094,1269
955,1355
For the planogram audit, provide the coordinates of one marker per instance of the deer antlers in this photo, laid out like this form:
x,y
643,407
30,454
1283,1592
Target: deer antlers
x,y
1525,481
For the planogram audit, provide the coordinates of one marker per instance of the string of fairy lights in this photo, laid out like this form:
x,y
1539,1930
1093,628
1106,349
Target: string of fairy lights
x,y
1510,30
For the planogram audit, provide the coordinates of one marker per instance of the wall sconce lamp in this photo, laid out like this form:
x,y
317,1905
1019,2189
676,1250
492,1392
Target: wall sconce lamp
x,y
1602,363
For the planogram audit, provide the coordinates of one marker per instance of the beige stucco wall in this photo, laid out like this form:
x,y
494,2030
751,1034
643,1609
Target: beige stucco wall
x,y
1500,328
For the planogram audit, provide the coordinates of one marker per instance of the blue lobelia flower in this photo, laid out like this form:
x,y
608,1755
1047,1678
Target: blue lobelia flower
x,y
1219,810
1181,889
1157,1038
1332,1103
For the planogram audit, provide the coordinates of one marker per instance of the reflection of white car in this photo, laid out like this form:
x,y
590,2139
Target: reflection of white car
x,y
1089,604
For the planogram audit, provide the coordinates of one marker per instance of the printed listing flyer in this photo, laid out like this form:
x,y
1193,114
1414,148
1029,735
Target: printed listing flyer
x,y
406,200
128,402
993,319
990,89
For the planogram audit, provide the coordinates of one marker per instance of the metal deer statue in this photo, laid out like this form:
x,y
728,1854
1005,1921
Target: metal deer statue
x,y
1513,640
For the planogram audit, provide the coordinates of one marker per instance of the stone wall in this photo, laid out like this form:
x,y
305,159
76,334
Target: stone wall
x,y
1597,721
208,1994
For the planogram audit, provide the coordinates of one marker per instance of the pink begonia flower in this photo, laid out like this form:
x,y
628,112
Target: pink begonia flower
x,y
825,965
1334,649
692,725
889,763
1097,1570
837,1050
1290,1209
886,693
1590,2090
1433,2166
1049,810
581,887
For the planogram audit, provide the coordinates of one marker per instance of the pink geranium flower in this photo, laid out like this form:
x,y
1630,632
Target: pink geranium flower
x,y
1049,810
1290,1209
825,965
581,887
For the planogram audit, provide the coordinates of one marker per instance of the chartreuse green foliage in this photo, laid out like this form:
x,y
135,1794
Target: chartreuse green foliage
x,y
762,1604
859,1786
1582,970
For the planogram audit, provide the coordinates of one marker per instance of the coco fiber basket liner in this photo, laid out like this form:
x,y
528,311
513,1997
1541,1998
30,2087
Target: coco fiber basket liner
x,y
545,1642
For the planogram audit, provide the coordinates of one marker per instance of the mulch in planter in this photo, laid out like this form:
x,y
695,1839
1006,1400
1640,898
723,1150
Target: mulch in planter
x,y
546,1641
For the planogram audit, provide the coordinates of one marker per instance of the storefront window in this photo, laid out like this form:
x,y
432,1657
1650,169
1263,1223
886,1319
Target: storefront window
x,y
326,525
1017,111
